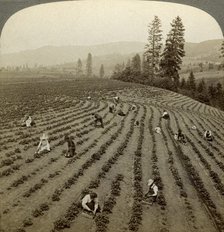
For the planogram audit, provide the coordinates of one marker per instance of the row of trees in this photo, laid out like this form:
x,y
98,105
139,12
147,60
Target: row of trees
x,y
157,65
161,64
89,68
209,94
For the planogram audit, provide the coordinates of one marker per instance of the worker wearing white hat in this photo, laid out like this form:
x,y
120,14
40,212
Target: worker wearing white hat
x,y
165,115
153,188
116,100
44,144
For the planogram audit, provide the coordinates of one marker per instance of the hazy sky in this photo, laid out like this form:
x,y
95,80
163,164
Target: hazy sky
x,y
100,21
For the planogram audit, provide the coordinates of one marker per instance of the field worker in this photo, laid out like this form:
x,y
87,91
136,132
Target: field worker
x,y
153,189
112,108
136,123
133,107
176,136
24,120
89,98
27,121
194,128
90,203
116,100
99,119
165,115
71,146
158,130
120,113
179,134
208,135
43,145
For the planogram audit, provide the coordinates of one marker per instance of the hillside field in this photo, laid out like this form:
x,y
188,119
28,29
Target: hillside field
x,y
41,193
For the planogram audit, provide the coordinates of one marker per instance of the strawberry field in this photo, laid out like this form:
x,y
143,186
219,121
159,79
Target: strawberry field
x,y
42,192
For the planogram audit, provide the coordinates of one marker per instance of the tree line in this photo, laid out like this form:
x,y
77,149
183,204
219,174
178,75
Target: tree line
x,y
87,71
160,65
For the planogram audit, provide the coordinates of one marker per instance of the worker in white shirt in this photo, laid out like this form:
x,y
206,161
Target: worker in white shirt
x,y
90,203
43,145
208,135
158,130
153,189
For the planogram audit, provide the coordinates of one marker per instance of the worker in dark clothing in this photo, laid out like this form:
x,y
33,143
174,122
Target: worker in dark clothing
x,y
120,113
112,108
208,135
71,146
179,134
165,115
99,119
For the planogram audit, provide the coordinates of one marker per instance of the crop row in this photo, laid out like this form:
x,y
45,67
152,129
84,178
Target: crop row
x,y
70,161
61,142
136,216
26,137
73,211
198,185
94,158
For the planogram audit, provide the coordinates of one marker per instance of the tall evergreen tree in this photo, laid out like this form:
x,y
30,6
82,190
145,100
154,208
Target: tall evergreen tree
x,y
222,49
211,91
222,53
128,64
144,65
79,71
183,83
201,86
173,51
153,47
219,89
102,71
191,82
136,65
89,71
117,71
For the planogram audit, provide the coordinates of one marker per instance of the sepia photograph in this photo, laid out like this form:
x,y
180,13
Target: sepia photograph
x,y
111,117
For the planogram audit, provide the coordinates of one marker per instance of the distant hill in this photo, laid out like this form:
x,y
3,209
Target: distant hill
x,y
205,51
52,55
108,54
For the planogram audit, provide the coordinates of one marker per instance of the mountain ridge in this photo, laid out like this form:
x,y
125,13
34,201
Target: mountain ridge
x,y
111,53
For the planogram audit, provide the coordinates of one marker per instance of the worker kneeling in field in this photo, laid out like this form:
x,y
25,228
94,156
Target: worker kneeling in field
x,y
116,100
120,113
27,121
208,135
153,190
112,108
158,130
180,137
44,145
165,115
71,146
133,108
99,119
90,203
136,123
